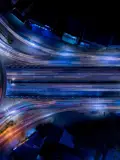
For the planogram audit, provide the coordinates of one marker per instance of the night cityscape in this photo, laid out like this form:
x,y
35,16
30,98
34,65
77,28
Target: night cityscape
x,y
59,82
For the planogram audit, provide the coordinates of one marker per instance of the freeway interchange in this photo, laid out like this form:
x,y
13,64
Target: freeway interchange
x,y
59,78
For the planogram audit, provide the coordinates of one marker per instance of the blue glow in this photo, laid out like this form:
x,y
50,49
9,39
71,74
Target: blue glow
x,y
32,44
69,38
44,30
117,102
47,26
67,139
13,84
38,157
30,132
83,44
13,20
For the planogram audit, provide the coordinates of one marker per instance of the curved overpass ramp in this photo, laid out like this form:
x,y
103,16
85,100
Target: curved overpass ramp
x,y
25,49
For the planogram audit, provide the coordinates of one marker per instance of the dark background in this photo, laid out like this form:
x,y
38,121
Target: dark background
x,y
98,22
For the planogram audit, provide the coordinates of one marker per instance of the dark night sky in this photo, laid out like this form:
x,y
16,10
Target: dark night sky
x,y
58,12
54,12
73,18
4,5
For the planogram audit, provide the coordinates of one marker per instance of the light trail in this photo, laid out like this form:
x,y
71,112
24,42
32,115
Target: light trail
x,y
73,58
62,90
31,112
63,75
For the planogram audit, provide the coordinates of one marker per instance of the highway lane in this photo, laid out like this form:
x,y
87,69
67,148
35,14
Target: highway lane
x,y
26,118
14,106
51,82
46,74
63,90
36,107
28,37
84,60
27,52
28,113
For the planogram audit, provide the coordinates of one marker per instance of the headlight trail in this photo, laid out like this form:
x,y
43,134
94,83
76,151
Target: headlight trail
x,y
48,74
44,91
75,58
31,112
